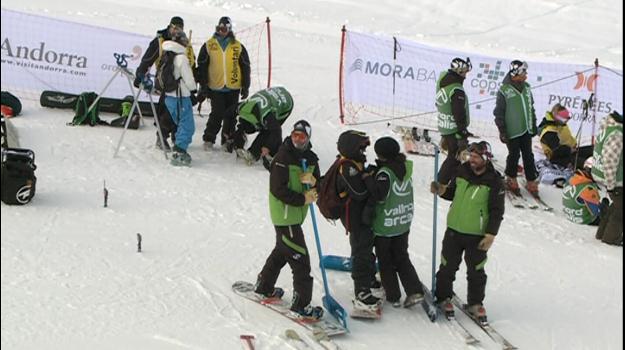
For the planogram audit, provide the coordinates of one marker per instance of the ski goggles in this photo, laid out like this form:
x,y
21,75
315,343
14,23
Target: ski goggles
x,y
223,27
482,148
518,68
299,137
562,116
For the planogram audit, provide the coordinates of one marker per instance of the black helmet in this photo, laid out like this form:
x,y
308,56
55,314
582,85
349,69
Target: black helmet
x,y
352,144
224,25
461,66
518,68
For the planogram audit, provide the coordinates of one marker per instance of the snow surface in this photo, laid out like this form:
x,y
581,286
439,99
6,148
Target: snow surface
x,y
71,275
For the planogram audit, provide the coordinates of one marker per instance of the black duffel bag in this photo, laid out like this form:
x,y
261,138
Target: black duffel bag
x,y
18,176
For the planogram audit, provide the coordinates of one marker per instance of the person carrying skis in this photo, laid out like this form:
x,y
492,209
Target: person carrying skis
x,y
474,217
152,56
608,172
351,146
178,102
581,199
223,74
557,141
453,115
515,118
291,190
264,112
390,185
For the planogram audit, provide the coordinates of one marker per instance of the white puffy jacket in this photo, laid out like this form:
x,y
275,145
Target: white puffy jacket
x,y
182,68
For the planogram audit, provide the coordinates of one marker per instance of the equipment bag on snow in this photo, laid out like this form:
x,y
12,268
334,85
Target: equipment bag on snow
x,y
84,116
18,176
8,99
331,203
165,80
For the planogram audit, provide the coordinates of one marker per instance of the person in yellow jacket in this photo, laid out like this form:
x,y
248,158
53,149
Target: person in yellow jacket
x,y
223,74
557,141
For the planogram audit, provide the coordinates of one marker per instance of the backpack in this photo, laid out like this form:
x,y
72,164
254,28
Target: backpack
x,y
81,116
165,80
18,178
331,203
8,99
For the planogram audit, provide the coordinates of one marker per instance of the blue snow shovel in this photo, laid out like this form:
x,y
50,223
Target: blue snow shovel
x,y
329,303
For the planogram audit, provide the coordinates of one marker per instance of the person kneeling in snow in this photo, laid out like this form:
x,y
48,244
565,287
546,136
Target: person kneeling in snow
x,y
581,198
264,112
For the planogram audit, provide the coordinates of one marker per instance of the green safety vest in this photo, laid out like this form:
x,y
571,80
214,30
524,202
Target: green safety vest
x,y
394,215
276,100
518,116
597,168
446,123
283,214
469,209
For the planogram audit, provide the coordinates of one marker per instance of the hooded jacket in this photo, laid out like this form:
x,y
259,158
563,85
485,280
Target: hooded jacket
x,y
182,69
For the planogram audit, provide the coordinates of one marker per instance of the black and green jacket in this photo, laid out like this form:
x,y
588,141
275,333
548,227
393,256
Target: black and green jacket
x,y
286,193
478,201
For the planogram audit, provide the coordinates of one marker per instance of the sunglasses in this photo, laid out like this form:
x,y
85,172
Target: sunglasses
x,y
482,148
563,115
223,28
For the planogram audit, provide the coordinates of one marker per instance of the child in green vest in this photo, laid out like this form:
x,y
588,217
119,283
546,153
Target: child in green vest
x,y
581,199
392,196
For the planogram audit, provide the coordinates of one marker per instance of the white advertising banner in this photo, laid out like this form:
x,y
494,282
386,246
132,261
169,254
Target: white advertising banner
x,y
386,74
40,53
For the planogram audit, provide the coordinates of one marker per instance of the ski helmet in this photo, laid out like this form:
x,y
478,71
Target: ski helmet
x,y
589,163
300,136
461,66
518,68
177,21
560,113
224,25
482,148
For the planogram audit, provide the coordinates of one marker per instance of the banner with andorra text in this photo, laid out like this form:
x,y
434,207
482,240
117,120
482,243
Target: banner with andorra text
x,y
41,53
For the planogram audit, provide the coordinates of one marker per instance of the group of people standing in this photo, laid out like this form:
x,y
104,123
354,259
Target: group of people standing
x,y
515,117
378,200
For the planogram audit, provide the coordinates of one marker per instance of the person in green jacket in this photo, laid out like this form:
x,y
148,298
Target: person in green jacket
x,y
264,112
390,186
581,200
515,118
291,190
473,221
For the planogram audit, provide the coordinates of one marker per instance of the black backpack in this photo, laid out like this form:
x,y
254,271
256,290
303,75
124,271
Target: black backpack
x,y
165,80
18,176
331,203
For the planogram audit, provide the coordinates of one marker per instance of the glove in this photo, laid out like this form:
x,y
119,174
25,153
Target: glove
x,y
194,99
437,188
244,93
310,196
486,242
138,80
307,179
203,94
503,138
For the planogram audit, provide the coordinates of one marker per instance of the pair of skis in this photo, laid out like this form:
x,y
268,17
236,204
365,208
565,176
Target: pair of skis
x,y
518,200
432,310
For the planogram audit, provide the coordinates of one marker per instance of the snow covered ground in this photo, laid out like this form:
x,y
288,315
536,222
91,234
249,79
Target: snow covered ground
x,y
71,275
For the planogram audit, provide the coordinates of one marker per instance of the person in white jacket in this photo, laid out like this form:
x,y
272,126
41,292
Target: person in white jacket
x,y
179,102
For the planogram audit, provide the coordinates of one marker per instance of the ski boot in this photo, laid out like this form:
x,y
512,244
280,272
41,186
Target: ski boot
x,y
309,312
512,185
180,157
413,299
478,312
447,308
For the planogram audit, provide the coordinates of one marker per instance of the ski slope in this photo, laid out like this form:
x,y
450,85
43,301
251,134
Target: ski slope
x,y
71,274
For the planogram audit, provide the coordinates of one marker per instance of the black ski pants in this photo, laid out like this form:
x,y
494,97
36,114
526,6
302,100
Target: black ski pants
x,y
451,163
518,146
611,223
222,116
168,127
363,261
392,253
454,245
290,248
